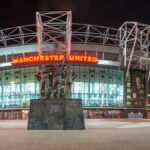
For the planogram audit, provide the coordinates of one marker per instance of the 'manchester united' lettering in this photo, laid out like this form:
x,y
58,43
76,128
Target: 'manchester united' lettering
x,y
52,58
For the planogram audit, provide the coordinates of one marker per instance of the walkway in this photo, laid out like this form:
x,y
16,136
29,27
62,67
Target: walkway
x,y
113,134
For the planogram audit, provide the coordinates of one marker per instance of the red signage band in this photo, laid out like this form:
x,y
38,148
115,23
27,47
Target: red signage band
x,y
52,58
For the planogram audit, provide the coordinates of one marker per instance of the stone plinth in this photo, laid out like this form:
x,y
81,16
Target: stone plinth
x,y
55,114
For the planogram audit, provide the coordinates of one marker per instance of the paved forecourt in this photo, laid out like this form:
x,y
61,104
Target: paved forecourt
x,y
120,134
89,123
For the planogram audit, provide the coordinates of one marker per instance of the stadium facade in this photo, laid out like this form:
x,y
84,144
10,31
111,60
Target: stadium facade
x,y
111,65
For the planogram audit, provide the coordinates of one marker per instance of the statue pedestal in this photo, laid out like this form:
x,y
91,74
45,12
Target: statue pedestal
x,y
56,114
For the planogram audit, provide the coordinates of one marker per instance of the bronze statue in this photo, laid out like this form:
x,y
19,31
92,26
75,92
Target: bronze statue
x,y
56,81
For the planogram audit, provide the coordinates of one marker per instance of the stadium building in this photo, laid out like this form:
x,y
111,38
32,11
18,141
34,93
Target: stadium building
x,y
111,65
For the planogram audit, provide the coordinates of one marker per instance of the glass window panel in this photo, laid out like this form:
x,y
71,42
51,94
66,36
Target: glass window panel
x,y
19,85
104,86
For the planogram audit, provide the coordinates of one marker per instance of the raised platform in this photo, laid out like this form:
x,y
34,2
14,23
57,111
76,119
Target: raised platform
x,y
56,114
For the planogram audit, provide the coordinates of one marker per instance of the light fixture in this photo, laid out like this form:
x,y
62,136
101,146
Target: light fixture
x,y
5,64
108,62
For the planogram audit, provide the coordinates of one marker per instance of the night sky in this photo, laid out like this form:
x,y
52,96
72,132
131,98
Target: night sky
x,y
101,12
